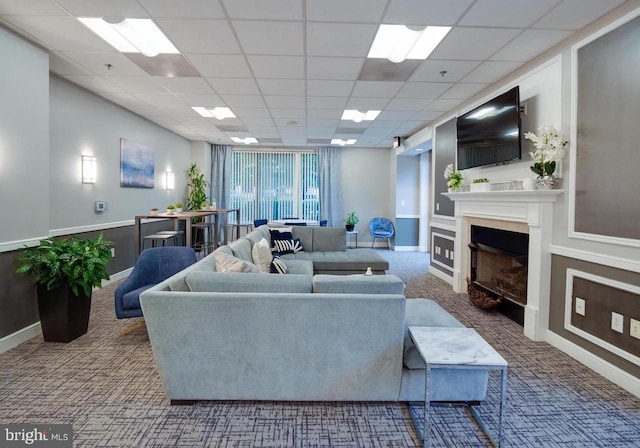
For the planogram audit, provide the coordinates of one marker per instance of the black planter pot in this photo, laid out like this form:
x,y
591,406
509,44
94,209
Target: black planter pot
x,y
349,227
63,316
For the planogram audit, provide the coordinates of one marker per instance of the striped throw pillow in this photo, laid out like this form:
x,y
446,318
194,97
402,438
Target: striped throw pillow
x,y
278,266
287,246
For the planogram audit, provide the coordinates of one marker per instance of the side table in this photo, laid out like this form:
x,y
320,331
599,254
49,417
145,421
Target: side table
x,y
350,234
457,348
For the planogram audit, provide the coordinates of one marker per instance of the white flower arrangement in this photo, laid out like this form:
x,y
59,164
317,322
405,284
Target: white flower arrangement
x,y
549,149
454,178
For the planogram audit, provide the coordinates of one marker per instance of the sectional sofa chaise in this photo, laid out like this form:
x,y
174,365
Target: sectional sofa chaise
x,y
302,336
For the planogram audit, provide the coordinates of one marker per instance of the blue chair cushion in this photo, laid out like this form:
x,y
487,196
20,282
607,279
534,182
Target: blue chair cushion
x,y
131,299
382,233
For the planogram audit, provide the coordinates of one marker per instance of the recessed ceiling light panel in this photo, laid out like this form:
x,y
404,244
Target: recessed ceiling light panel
x,y
339,141
246,140
357,116
398,42
219,113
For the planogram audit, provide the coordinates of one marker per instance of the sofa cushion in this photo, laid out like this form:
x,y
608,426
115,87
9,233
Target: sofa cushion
x,y
261,255
237,282
278,265
304,267
351,260
423,313
229,263
305,235
241,248
358,284
329,239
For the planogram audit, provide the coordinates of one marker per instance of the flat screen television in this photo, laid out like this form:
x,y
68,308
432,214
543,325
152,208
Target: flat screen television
x,y
490,133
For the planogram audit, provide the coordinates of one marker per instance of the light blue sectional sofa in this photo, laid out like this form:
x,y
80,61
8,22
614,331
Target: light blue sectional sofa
x,y
294,337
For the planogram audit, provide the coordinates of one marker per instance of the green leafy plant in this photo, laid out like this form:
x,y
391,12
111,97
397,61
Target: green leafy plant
x,y
80,264
170,207
352,219
482,180
179,205
197,188
454,178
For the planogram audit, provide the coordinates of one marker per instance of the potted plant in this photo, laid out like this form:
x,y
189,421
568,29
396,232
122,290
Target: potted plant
x,y
351,221
197,188
549,149
66,270
454,178
481,184
154,211
170,209
179,207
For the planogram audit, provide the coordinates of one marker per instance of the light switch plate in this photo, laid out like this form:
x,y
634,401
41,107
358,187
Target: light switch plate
x,y
617,322
634,329
580,306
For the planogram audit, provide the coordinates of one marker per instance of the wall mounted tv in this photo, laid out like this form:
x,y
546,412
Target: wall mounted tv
x,y
490,133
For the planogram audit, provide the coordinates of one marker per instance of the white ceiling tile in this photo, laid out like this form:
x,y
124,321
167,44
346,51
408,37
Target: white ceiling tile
x,y
178,111
298,102
326,102
473,44
200,36
530,44
430,70
239,101
160,99
31,8
490,72
427,115
370,103
462,91
252,112
316,132
186,85
194,122
138,84
325,114
97,63
264,131
507,13
377,88
273,38
183,8
282,86
264,10
262,122
284,67
334,68
111,8
295,114
353,11
198,99
335,88
320,123
240,86
396,115
425,12
424,90
94,83
338,39
413,104
442,105
220,65
123,99
146,111
61,33
62,65
575,14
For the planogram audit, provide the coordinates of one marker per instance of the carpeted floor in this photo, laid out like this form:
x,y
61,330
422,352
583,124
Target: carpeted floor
x,y
107,386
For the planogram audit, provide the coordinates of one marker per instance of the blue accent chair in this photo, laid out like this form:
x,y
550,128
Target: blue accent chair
x,y
153,266
259,222
381,228
302,224
323,223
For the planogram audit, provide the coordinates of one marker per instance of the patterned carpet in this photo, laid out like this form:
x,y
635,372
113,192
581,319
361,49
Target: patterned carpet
x,y
107,386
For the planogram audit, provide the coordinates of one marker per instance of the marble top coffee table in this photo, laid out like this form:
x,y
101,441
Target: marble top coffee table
x,y
457,348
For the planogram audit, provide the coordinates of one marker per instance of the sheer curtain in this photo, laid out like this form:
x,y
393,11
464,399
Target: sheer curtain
x,y
330,184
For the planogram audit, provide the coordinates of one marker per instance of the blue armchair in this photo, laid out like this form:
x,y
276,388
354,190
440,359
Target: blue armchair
x,y
381,228
153,266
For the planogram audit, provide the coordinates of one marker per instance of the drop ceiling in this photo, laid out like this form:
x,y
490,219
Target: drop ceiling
x,y
289,68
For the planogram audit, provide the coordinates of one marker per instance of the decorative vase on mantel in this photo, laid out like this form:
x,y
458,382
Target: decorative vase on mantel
x,y
545,182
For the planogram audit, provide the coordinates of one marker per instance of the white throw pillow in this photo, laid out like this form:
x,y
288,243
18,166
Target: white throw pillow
x,y
229,263
261,255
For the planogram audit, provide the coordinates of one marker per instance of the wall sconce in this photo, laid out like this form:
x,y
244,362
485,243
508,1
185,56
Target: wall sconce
x,y
170,181
89,170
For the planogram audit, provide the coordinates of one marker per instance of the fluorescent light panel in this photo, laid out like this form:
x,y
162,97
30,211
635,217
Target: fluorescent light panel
x,y
339,141
131,35
246,140
397,42
219,113
357,116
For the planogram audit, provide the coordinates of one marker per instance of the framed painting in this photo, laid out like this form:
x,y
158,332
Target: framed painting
x,y
136,165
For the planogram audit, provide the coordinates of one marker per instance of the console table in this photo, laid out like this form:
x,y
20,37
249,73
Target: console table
x,y
457,348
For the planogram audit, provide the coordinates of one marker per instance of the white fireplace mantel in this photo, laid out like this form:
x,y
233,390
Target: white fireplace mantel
x,y
529,210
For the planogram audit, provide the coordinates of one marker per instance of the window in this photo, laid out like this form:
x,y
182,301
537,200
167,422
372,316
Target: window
x,y
275,185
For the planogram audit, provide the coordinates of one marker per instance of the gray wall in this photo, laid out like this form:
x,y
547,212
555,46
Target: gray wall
x,y
444,154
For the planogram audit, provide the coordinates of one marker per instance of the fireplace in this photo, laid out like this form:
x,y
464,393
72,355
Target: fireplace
x,y
499,267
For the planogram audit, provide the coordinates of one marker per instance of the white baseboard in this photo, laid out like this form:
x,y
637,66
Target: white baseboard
x,y
20,336
614,374
441,275
405,248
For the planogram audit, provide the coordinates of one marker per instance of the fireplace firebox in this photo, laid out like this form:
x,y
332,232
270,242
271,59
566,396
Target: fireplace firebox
x,y
499,260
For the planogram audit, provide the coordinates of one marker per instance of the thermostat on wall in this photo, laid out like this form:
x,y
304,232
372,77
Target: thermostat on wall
x,y
101,206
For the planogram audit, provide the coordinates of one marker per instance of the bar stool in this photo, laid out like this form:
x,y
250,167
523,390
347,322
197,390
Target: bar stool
x,y
178,235
156,238
207,242
247,225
